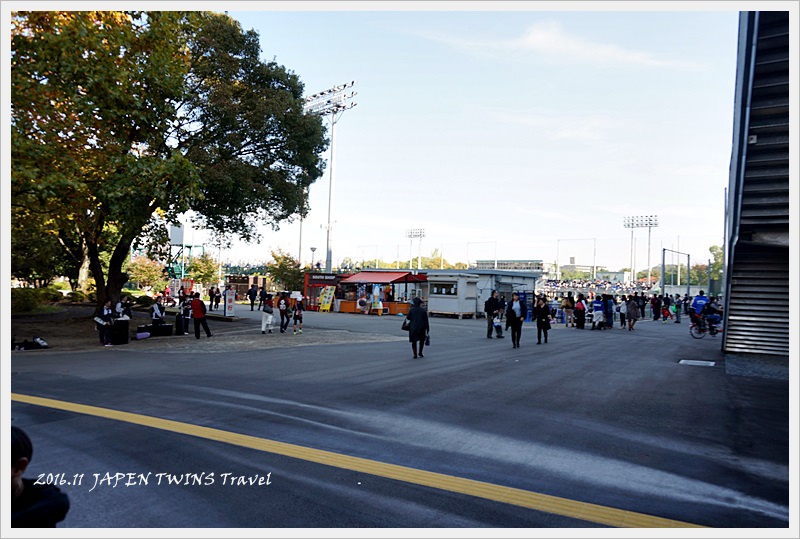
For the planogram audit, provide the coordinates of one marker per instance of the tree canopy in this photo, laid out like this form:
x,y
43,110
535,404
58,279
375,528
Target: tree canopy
x,y
123,119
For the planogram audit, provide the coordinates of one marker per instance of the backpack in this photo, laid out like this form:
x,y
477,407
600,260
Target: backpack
x,y
580,306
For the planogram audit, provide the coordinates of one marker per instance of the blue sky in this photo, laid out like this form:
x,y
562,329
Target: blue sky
x,y
526,134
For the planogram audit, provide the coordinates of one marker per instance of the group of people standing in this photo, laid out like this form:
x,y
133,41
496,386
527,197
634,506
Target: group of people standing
x,y
192,308
515,313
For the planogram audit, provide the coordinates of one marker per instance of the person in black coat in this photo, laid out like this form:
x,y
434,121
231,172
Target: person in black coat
x,y
516,312
492,309
543,316
418,327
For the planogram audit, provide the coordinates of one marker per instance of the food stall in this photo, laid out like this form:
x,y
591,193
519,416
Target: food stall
x,y
393,289
314,286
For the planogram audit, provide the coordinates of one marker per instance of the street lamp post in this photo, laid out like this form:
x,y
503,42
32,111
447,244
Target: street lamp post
x,y
641,221
331,103
312,257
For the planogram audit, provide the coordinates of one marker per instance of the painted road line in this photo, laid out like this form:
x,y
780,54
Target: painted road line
x,y
589,512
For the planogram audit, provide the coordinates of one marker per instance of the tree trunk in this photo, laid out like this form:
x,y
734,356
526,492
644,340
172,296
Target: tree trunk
x,y
110,286
84,272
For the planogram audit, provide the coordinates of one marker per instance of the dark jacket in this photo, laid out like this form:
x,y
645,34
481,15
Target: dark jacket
x,y
492,304
418,324
511,317
542,316
39,506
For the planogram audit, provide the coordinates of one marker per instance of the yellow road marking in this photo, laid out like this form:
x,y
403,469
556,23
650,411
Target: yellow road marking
x,y
540,502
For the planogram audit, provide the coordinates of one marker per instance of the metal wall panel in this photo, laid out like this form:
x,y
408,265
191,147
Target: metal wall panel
x,y
757,263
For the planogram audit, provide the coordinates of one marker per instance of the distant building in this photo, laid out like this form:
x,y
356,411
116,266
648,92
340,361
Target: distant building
x,y
519,265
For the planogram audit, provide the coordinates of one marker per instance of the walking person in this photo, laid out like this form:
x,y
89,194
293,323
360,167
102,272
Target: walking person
x,y
633,311
543,317
283,310
492,309
199,316
252,294
267,315
262,297
623,311
297,316
419,328
516,313
568,306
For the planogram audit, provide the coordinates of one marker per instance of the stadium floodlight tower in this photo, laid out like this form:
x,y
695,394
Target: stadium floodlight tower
x,y
331,104
641,221
412,233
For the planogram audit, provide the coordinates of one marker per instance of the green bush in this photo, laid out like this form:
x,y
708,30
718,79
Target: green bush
x,y
51,293
77,296
144,301
24,300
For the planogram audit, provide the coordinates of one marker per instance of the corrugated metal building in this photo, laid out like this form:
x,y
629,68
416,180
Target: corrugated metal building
x,y
757,224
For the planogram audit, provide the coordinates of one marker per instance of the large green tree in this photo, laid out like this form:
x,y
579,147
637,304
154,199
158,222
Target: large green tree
x,y
285,270
204,269
125,119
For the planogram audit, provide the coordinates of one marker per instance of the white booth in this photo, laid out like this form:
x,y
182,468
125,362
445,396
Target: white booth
x,y
453,294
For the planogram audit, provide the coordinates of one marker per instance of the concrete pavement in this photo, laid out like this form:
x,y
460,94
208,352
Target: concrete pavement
x,y
611,418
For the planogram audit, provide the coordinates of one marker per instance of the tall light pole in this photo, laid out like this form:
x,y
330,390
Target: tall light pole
x,y
641,221
331,103
412,233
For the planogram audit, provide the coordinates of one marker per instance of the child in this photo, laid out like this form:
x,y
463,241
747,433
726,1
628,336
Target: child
x,y
298,316
32,506
267,315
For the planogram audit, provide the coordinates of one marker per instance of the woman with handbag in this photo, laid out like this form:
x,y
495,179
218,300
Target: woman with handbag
x,y
418,327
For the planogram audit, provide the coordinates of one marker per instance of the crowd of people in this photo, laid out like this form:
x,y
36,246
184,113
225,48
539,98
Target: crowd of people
x,y
604,309
556,287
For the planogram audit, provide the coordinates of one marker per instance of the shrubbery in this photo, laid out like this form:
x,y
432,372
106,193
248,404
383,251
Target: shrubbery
x,y
77,296
144,301
24,300
51,293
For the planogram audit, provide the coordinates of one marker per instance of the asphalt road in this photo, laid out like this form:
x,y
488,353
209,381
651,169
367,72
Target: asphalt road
x,y
343,429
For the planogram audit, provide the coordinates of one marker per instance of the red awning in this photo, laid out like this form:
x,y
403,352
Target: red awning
x,y
384,277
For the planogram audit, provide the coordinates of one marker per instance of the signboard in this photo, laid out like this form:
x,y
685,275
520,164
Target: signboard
x,y
230,301
376,297
326,299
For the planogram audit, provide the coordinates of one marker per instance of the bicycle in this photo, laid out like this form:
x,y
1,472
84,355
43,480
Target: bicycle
x,y
701,326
